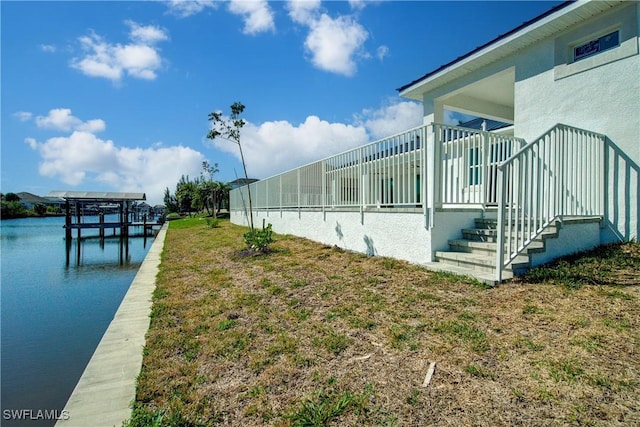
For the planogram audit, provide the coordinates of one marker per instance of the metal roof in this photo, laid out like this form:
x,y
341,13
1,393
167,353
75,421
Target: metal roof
x,y
96,195
551,22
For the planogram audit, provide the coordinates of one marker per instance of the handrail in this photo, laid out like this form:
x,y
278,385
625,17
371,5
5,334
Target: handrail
x,y
559,174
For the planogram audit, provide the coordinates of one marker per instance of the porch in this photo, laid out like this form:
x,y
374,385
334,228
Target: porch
x,y
412,195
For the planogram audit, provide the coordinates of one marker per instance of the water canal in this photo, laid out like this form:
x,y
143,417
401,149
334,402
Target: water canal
x,y
57,300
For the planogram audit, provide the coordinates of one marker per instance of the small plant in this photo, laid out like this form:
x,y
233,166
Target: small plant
x,y
213,222
414,398
226,324
479,371
323,410
259,240
531,309
566,370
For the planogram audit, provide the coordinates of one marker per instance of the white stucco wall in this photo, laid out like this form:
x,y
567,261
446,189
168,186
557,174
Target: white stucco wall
x,y
573,237
399,235
601,94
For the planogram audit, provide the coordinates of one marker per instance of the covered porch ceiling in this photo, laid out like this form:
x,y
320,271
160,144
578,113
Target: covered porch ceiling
x,y
492,97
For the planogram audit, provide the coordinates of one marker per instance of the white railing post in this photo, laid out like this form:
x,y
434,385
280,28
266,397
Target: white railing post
x,y
486,161
436,169
298,191
500,227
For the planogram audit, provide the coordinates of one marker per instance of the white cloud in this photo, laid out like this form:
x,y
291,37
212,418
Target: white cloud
x,y
257,15
23,116
382,52
82,158
357,4
274,147
49,48
333,43
61,119
391,119
303,11
140,58
148,34
186,8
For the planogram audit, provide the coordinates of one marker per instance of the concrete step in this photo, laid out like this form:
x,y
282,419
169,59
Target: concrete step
x,y
480,262
484,277
491,235
489,248
474,254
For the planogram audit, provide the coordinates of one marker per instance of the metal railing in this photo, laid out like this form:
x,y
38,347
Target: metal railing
x,y
386,173
559,174
468,165
392,172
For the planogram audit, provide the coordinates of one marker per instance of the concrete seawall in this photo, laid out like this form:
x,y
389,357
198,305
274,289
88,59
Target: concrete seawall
x,y
107,386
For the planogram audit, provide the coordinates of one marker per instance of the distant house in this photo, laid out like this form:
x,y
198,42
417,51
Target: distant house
x,y
143,208
561,176
29,200
159,210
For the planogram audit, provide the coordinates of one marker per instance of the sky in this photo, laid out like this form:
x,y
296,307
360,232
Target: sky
x,y
115,95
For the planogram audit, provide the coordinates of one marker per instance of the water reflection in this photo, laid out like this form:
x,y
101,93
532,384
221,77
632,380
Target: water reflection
x,y
58,297
116,244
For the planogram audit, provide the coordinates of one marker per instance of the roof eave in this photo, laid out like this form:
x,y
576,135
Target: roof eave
x,y
501,46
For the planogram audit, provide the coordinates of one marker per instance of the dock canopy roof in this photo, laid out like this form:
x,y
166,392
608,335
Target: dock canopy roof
x,y
97,196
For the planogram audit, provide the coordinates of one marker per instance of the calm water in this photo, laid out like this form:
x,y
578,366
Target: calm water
x,y
57,302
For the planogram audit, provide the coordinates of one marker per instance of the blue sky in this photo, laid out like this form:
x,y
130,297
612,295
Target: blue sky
x,y
114,96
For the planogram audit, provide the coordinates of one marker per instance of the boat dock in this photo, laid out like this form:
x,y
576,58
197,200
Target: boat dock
x,y
80,204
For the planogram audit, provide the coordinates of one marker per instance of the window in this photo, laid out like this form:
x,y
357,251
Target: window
x,y
475,178
605,39
595,46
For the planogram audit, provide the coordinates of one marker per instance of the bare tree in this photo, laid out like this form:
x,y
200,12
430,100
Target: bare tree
x,y
229,129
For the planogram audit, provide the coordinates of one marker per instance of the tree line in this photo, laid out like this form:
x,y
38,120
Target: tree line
x,y
11,207
199,194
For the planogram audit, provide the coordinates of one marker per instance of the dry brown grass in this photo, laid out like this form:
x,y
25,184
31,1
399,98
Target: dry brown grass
x,y
314,335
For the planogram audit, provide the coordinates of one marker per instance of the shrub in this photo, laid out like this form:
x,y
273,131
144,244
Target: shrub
x,y
213,222
13,210
259,240
40,209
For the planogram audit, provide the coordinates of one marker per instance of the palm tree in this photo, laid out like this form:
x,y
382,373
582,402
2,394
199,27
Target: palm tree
x,y
222,198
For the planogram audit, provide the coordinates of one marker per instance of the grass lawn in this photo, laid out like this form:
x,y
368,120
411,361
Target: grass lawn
x,y
312,335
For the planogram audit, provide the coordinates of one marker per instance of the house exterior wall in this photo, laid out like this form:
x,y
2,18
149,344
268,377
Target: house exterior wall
x,y
601,94
399,233
573,237
396,234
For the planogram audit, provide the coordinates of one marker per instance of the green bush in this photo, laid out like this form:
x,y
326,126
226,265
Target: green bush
x,y
13,210
259,240
213,222
40,209
54,210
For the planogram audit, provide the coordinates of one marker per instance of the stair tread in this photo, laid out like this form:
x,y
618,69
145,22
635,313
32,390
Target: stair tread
x,y
536,245
475,256
484,277
478,258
